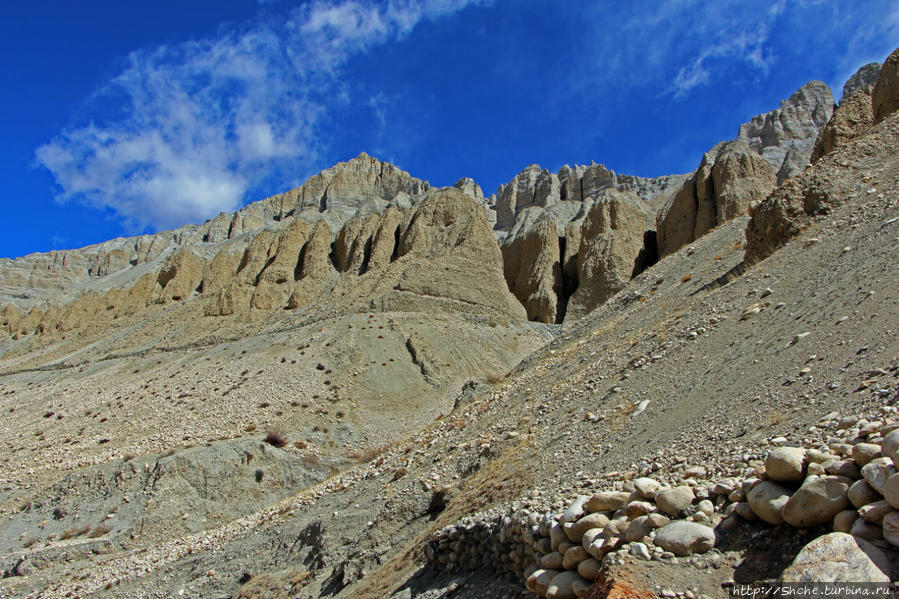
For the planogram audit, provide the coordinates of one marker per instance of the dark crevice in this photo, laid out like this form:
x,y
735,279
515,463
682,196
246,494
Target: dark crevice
x,y
568,282
298,269
648,255
261,272
396,245
366,256
333,258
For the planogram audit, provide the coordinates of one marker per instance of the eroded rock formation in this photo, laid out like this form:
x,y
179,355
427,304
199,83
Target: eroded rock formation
x,y
729,179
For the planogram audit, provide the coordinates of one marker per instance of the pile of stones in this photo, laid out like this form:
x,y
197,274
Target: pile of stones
x,y
853,487
849,483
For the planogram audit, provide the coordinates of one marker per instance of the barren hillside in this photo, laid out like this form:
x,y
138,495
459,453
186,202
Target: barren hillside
x,y
586,384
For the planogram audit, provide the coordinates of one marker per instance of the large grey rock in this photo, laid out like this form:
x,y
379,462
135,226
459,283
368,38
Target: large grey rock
x,y
574,556
863,453
889,447
861,493
868,531
817,501
767,500
575,530
785,464
589,568
552,561
674,499
685,538
877,471
637,529
538,582
838,557
875,512
891,490
607,500
562,585
647,487
575,509
557,535
843,521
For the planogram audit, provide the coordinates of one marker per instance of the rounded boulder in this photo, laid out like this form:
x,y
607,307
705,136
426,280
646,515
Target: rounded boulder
x,y
786,464
817,502
685,538
767,500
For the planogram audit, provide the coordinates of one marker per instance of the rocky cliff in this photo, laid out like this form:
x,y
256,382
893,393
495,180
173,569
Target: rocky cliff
x,y
861,138
558,246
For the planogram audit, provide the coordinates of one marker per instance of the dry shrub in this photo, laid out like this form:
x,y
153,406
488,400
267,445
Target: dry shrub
x,y
99,531
686,278
275,437
369,453
74,532
495,377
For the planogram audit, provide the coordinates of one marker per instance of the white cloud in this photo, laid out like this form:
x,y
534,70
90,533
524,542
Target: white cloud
x,y
677,46
201,122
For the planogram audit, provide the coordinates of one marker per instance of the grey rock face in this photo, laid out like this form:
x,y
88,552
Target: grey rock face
x,y
361,185
786,135
864,77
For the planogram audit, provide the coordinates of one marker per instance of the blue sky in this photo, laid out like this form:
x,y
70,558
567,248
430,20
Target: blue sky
x,y
119,118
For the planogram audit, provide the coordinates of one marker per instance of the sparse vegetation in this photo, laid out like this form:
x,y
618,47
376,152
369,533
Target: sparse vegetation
x,y
495,377
275,437
99,530
71,533
686,278
369,453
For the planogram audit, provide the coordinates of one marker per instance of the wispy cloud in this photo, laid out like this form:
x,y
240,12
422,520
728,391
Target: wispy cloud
x,y
200,124
683,45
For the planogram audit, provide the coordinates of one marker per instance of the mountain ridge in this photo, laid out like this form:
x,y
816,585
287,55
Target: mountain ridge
x,y
413,399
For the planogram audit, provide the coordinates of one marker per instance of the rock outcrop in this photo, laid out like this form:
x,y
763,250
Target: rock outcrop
x,y
532,264
838,557
816,192
447,233
547,254
610,241
730,178
852,117
786,135
885,98
361,185
865,76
